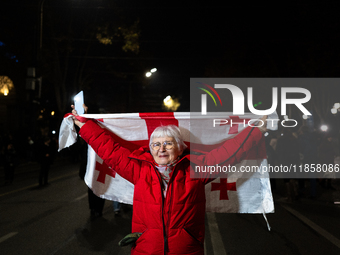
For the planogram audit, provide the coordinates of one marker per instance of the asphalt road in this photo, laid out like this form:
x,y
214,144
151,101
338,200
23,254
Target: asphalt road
x,y
56,220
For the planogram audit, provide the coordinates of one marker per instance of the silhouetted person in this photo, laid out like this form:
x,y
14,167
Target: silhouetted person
x,y
9,163
117,207
30,149
326,157
308,145
46,158
287,150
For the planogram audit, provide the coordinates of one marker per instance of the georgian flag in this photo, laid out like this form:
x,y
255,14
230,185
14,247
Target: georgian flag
x,y
234,194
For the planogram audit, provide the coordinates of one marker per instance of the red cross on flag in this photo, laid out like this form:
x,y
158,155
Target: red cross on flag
x,y
223,186
132,130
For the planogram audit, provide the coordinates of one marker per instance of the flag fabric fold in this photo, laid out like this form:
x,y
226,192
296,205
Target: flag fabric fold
x,y
235,194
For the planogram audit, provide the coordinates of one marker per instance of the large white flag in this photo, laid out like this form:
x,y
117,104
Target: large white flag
x,y
236,193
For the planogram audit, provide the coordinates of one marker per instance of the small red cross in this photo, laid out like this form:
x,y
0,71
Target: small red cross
x,y
223,187
235,120
103,171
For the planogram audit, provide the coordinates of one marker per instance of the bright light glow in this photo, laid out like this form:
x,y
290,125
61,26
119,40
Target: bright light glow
x,y
153,70
334,110
304,117
167,100
6,85
324,128
337,105
52,113
148,74
53,132
171,104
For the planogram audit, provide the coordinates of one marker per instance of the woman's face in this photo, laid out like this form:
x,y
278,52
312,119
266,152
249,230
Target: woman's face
x,y
163,156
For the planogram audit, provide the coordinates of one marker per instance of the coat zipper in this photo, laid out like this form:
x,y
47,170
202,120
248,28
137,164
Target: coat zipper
x,y
169,193
160,183
164,230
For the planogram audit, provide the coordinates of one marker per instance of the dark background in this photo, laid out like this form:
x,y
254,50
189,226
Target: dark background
x,y
181,40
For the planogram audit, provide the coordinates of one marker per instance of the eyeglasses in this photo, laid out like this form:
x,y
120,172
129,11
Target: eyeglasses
x,y
166,145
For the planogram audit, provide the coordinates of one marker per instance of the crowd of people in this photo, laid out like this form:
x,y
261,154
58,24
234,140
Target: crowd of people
x,y
17,151
304,147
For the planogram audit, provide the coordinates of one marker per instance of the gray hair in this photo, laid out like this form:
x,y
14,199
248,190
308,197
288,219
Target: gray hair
x,y
170,131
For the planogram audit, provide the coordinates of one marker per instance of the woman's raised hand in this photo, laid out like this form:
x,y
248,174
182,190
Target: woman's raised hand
x,y
74,112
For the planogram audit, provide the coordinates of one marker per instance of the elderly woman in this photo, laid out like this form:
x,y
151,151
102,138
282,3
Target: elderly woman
x,y
168,205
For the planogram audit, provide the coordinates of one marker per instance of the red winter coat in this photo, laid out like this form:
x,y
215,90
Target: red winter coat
x,y
174,224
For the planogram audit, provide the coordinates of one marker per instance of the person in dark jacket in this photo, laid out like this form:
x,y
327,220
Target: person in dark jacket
x,y
287,150
326,157
46,158
9,163
168,205
308,147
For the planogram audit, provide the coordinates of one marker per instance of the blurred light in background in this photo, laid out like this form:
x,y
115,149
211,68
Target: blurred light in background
x,y
148,74
324,128
171,104
335,108
6,85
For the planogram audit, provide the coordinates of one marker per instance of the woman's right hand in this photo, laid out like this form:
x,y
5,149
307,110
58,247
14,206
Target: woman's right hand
x,y
75,114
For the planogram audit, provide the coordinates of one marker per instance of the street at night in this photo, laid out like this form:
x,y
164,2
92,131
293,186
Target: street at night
x,y
153,75
56,220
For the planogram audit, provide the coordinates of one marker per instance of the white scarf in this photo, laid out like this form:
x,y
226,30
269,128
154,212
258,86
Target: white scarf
x,y
165,171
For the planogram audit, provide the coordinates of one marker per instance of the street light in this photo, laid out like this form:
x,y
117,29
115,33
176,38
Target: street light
x,y
167,101
324,128
149,73
335,108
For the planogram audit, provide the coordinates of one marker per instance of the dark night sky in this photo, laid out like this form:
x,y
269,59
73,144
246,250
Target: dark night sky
x,y
205,40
